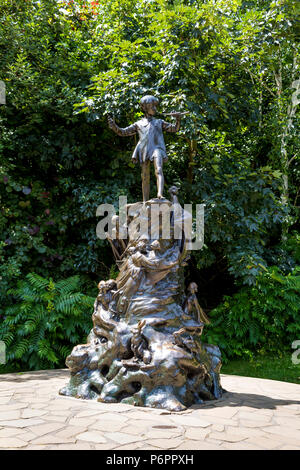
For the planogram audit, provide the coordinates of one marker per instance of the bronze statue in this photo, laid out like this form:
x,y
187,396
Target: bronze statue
x,y
192,304
106,290
187,341
151,146
130,276
173,191
139,344
145,346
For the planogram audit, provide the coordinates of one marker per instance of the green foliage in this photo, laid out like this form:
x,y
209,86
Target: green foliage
x,y
264,318
67,64
232,65
45,321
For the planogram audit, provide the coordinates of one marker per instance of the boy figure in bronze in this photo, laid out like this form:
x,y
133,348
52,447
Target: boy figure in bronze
x,y
151,146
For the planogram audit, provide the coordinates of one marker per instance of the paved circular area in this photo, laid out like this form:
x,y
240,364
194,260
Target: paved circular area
x,y
253,414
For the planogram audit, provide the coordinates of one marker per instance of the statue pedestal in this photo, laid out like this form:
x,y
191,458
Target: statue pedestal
x,y
145,346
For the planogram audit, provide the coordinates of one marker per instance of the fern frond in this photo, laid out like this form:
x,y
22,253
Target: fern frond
x,y
21,348
65,286
63,351
65,303
46,352
38,282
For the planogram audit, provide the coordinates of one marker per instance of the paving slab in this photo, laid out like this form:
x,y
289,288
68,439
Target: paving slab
x,y
11,442
20,423
165,444
122,437
252,414
92,436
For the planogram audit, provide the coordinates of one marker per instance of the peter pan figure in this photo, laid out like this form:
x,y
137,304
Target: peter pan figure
x,y
151,146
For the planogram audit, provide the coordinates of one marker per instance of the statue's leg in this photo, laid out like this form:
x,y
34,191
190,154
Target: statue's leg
x,y
158,164
146,180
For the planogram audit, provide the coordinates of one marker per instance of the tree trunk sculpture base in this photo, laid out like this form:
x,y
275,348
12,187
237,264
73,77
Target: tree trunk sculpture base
x,y
145,348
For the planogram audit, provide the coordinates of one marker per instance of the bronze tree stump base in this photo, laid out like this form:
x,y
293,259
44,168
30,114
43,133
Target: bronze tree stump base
x,y
145,348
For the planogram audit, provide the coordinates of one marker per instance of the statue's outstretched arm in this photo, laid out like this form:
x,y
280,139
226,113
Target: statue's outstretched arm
x,y
168,127
122,131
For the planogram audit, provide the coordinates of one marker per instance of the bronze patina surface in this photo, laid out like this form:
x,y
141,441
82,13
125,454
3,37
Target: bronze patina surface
x,y
151,145
145,346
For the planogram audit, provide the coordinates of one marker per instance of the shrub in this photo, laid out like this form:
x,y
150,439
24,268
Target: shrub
x,y
264,318
47,319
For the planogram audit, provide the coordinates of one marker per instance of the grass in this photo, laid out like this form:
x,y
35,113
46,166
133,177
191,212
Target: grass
x,y
265,367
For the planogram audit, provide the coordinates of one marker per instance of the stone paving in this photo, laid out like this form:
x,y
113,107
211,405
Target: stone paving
x,y
253,414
